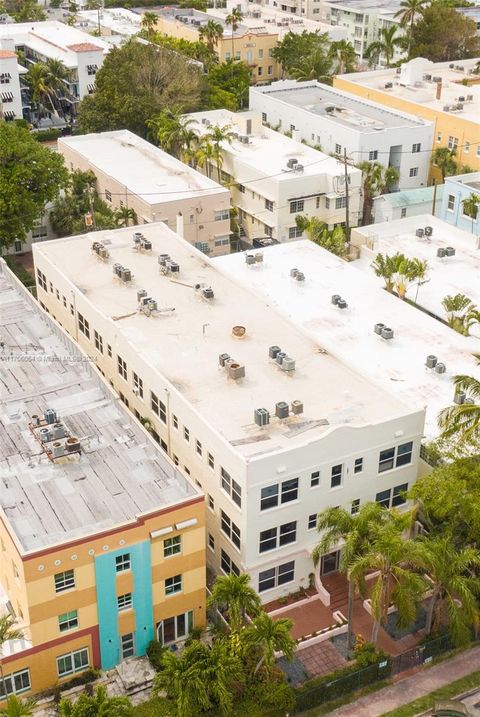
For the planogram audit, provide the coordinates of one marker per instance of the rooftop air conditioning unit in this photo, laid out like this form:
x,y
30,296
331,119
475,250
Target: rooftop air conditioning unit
x,y
261,416
244,138
446,108
388,85
329,109
281,409
297,407
469,98
292,162
298,168
419,232
427,78
398,70
436,79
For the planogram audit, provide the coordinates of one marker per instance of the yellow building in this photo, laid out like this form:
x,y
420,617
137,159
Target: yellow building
x,y
252,45
444,92
102,545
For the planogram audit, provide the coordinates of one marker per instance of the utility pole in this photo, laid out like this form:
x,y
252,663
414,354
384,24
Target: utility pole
x,y
434,197
347,197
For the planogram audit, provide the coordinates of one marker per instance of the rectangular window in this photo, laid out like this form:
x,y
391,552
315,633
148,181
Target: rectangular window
x,y
122,367
403,212
221,215
373,155
124,602
175,421
404,454
198,447
231,530
42,279
127,645
270,70
398,496
98,341
211,502
231,487
452,142
83,326
338,149
158,407
451,202
64,581
296,206
312,521
395,457
269,205
260,71
68,621
176,459
15,683
122,562
56,290
227,564
386,460
211,542
289,490
358,465
72,662
315,479
413,171
173,585
268,540
211,461
268,230
273,577
172,546
439,136
137,385
416,147
269,497
294,232
336,476
383,497
264,116
109,351
288,533
340,202
355,507
108,195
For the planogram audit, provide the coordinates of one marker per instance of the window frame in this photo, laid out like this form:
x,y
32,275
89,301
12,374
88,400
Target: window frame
x,y
69,586
297,205
125,602
123,563
71,656
173,548
335,475
276,574
173,585
69,622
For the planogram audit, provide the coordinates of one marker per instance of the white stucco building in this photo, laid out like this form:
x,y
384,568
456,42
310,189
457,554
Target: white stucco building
x,y
338,120
11,100
410,203
135,174
271,436
274,178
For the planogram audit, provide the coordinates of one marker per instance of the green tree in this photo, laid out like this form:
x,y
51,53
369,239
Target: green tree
x,y
291,52
125,215
171,129
80,198
384,267
30,176
215,136
205,156
18,708
210,34
342,57
445,160
135,83
376,179
228,77
97,705
8,632
407,272
470,207
355,533
456,307
333,240
272,636
234,18
233,594
149,23
314,66
443,35
409,12
388,41
30,11
462,422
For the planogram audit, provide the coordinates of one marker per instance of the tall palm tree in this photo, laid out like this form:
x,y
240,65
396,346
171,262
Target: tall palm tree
x,y
8,632
375,180
409,11
314,66
223,670
233,593
18,708
234,18
205,156
397,561
407,272
216,135
385,45
462,422
470,207
210,34
125,215
384,267
342,56
149,23
445,159
170,128
333,240
455,587
355,532
98,704
272,636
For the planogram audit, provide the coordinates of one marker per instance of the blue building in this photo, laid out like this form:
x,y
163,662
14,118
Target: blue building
x,y
456,190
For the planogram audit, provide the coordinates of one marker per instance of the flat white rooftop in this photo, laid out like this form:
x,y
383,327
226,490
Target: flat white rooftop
x,y
144,170
345,109
184,345
397,366
120,473
119,20
459,274
416,83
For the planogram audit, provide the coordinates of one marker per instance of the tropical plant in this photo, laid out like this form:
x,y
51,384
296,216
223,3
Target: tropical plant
x,y
272,636
355,532
443,35
293,50
455,586
215,136
205,156
388,41
210,34
315,66
149,23
408,13
8,632
445,160
333,240
456,307
462,422
171,129
80,198
408,271
18,708
376,179
233,594
125,215
384,267
342,56
470,207
98,705
233,19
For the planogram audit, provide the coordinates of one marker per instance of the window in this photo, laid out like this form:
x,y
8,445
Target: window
x,y
221,215
68,621
373,155
51,287
296,206
211,542
413,171
260,71
273,537
404,454
231,487
98,341
338,149
355,507
198,447
268,230
122,562
176,459
268,540
64,581
83,326
231,530
260,54
158,407
315,479
327,203
264,116
175,421
439,136
109,351
289,490
386,460
211,502
466,147
241,188
340,202
294,232
15,683
108,195
288,533
472,214
391,498
358,465
72,662
57,293
403,212
416,147
172,546
173,628
127,645
451,203
270,70
186,434
122,367
269,205
42,279
211,461
452,142
137,385
173,585
221,241
269,497
273,577
336,476
478,151
124,602
312,521
227,564
391,457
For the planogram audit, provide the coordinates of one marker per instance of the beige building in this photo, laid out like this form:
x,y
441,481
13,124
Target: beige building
x,y
133,173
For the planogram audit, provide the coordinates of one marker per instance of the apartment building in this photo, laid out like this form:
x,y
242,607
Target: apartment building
x,y
446,94
252,44
133,173
458,190
101,537
81,54
274,178
338,121
272,426
397,205
11,100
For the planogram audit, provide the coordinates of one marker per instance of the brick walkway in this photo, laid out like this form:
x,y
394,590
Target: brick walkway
x,y
308,618
320,659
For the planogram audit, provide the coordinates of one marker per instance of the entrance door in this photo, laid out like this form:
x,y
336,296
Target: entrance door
x,y
329,562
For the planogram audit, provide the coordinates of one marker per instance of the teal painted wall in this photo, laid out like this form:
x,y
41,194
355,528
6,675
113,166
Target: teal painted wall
x,y
105,577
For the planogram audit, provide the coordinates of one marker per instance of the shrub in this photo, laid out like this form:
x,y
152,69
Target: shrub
x,y
25,277
47,135
155,653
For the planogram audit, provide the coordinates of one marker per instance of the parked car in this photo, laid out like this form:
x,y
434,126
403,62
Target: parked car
x,y
449,708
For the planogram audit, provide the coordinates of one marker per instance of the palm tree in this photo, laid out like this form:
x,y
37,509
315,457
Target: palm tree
x,y
205,156
234,19
445,159
149,23
470,207
455,306
385,46
355,531
216,135
463,421
455,588
234,594
384,267
98,704
170,129
407,272
18,708
409,11
7,632
223,671
343,57
273,636
125,215
315,66
396,561
210,34
376,179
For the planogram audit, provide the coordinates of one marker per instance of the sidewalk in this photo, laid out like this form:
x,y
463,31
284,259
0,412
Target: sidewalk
x,y
423,682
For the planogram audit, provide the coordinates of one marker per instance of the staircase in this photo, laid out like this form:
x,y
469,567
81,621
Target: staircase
x,y
336,584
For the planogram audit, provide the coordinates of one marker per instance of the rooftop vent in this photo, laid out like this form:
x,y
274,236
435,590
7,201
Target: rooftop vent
x,y
440,368
261,416
459,397
436,79
297,407
431,361
238,332
419,232
292,162
208,292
